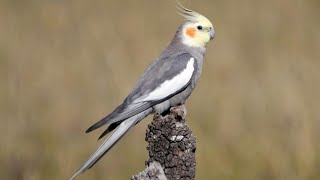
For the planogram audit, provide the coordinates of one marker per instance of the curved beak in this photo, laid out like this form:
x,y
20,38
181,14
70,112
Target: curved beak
x,y
211,33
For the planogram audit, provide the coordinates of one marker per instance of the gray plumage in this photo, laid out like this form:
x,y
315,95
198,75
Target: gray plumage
x,y
178,57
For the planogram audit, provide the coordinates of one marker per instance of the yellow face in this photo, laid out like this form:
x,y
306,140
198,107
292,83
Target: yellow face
x,y
197,31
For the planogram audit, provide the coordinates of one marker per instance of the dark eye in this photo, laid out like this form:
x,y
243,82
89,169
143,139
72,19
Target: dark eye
x,y
200,27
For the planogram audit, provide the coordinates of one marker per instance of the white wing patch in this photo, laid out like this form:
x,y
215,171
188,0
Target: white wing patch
x,y
173,85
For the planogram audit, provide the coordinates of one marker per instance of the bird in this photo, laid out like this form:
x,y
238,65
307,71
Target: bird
x,y
167,82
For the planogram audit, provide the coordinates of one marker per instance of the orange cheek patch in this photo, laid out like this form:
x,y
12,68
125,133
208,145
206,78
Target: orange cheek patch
x,y
191,32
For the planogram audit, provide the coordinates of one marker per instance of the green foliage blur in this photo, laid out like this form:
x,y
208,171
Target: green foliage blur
x,y
66,64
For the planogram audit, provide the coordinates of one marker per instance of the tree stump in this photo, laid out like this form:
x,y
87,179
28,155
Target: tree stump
x,y
171,147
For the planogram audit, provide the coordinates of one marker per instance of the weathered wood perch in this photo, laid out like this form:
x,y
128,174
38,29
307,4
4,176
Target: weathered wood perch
x,y
171,147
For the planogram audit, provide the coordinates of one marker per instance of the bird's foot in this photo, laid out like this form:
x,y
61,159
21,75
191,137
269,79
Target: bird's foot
x,y
181,111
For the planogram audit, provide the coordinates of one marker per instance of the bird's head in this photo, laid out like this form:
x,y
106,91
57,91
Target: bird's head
x,y
197,30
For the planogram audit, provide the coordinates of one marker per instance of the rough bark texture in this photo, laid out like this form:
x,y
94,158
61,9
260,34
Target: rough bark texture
x,y
171,148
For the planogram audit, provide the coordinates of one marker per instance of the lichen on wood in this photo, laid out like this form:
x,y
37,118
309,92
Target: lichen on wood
x,y
171,147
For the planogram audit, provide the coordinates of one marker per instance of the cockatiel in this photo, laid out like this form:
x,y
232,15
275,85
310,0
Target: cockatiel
x,y
167,82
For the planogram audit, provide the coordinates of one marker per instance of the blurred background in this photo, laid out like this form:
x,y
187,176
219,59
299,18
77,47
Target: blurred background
x,y
66,64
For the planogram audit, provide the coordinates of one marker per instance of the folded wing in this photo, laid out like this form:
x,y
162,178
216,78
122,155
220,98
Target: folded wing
x,y
165,77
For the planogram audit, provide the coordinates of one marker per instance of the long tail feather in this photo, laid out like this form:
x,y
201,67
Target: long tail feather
x,y
121,113
112,140
109,129
100,123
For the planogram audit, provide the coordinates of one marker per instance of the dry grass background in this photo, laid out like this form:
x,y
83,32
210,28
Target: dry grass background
x,y
65,64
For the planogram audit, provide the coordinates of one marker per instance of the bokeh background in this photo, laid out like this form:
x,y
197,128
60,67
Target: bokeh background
x,y
66,64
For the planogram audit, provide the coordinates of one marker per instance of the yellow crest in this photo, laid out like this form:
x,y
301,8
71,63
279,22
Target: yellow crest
x,y
197,30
